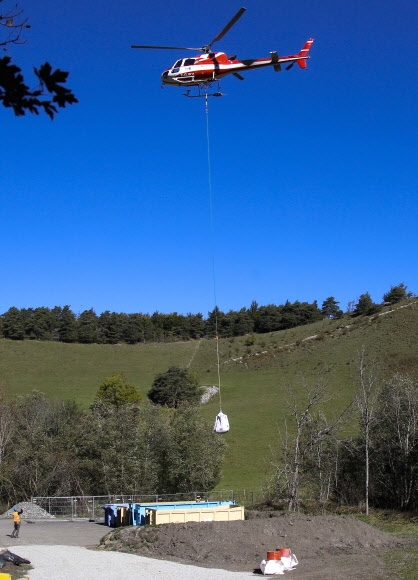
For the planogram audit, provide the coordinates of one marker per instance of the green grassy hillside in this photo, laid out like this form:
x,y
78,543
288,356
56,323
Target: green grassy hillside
x,y
255,373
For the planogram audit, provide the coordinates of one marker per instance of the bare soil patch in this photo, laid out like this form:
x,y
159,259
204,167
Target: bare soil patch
x,y
327,547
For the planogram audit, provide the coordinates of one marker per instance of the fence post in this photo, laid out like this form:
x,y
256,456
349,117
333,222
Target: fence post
x,y
92,515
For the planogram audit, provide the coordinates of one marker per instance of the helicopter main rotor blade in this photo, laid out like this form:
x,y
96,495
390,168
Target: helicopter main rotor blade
x,y
227,27
166,47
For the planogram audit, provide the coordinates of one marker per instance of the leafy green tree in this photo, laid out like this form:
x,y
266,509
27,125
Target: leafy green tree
x,y
174,326
147,449
40,459
242,322
365,306
189,453
39,323
330,308
113,451
14,93
175,387
396,294
67,326
87,324
217,321
13,324
130,329
194,325
269,319
116,391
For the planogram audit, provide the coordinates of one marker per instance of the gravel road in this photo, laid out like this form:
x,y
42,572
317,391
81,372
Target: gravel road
x,y
77,563
59,551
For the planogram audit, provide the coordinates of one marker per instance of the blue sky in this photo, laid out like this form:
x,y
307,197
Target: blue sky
x,y
314,173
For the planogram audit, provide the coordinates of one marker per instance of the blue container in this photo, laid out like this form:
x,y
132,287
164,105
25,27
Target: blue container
x,y
111,513
138,512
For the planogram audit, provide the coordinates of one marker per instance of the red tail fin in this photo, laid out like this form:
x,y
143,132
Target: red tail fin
x,y
303,55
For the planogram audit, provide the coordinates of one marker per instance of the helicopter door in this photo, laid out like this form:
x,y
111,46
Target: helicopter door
x,y
186,69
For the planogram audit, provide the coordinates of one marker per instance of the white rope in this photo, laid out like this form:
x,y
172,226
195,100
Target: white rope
x,y
213,250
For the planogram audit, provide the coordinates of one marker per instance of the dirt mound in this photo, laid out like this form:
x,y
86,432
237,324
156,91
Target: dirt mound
x,y
242,545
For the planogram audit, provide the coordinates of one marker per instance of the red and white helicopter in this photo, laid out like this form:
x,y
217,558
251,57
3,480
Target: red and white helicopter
x,y
203,69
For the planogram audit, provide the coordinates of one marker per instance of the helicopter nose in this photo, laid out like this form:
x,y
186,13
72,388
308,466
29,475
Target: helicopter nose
x,y
164,76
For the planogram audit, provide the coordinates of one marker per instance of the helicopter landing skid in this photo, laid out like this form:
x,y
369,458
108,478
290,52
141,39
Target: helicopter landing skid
x,y
203,92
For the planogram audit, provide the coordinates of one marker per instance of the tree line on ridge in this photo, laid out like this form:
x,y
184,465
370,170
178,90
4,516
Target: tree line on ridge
x,y
63,325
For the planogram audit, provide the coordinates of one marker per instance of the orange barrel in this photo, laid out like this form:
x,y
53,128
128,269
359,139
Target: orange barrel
x,y
284,552
273,556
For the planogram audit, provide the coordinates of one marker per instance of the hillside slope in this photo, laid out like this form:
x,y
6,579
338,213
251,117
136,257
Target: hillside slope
x,y
256,372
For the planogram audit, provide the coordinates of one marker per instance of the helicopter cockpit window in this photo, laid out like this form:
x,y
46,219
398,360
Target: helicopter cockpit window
x,y
189,62
178,63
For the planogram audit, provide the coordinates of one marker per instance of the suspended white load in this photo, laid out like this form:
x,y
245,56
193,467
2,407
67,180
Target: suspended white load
x,y
221,423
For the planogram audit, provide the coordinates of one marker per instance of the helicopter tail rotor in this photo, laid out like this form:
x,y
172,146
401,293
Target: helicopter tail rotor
x,y
303,55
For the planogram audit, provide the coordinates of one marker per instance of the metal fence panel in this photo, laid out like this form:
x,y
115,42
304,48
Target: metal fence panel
x,y
90,507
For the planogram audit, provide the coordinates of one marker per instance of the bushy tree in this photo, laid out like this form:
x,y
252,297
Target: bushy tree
x,y
39,459
268,319
175,387
112,451
116,391
396,294
330,308
13,325
87,327
365,306
67,325
189,453
53,448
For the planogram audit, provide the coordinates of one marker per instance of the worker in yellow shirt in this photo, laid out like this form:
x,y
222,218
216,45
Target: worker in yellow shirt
x,y
16,522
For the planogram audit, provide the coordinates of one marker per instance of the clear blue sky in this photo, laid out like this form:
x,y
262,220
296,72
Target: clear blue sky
x,y
314,173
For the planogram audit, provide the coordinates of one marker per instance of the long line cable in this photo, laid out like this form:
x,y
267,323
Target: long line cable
x,y
212,230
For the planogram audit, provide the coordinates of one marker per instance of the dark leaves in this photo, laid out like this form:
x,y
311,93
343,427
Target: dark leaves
x,y
16,94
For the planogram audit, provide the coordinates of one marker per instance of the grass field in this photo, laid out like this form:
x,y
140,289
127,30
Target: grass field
x,y
403,562
255,374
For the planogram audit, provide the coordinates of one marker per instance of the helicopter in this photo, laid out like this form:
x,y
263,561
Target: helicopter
x,y
204,69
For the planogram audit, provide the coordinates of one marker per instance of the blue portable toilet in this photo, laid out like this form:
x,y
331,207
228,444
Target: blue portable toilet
x,y
110,514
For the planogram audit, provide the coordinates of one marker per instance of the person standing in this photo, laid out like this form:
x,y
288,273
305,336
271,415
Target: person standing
x,y
16,522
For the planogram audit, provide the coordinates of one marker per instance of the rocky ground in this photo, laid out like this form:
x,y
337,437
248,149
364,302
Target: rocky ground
x,y
326,546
